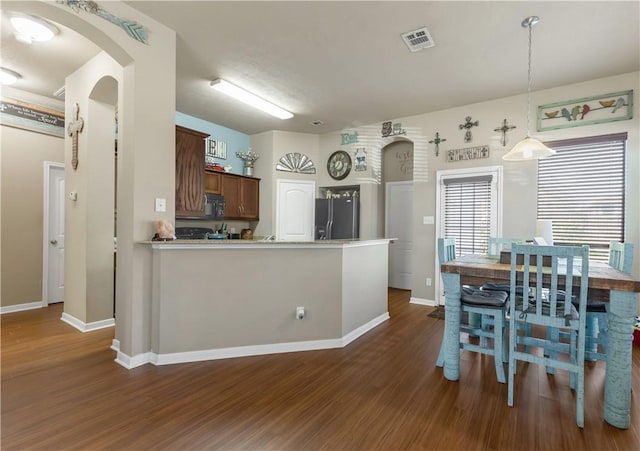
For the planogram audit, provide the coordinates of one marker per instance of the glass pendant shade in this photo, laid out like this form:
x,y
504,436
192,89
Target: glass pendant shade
x,y
528,149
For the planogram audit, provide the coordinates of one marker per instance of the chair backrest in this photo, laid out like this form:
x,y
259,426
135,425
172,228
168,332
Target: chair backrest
x,y
621,256
495,245
446,249
548,263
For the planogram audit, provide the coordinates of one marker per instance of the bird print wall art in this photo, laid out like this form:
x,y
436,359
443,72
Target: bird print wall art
x,y
615,106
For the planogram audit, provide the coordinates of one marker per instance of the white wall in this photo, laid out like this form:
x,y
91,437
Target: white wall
x,y
520,178
271,146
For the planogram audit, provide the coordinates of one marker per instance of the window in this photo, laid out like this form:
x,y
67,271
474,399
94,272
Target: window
x,y
582,190
469,201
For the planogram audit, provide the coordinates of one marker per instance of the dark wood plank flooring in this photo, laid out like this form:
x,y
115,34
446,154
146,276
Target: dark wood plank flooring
x,y
62,390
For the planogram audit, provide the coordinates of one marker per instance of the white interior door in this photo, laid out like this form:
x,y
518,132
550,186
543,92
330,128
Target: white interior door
x,y
295,210
54,245
398,224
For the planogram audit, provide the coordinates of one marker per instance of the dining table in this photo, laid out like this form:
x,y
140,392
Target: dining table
x,y
617,288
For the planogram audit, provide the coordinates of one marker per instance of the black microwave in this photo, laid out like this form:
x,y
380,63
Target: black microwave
x,y
214,206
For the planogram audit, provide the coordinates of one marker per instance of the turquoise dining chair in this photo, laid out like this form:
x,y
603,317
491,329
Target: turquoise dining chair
x,y
548,308
620,258
484,303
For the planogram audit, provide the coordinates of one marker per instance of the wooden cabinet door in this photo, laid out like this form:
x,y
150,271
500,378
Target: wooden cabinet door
x,y
231,193
241,197
212,182
250,196
189,172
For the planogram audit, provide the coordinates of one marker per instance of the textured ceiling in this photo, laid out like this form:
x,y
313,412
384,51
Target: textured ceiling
x,y
344,63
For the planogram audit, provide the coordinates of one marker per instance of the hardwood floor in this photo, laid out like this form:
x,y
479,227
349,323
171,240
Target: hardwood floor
x,y
62,390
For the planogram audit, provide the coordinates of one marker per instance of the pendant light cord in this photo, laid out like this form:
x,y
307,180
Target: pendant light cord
x,y
529,84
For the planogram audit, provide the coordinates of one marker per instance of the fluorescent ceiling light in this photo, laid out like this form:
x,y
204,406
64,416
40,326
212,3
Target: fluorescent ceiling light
x,y
250,99
30,28
8,77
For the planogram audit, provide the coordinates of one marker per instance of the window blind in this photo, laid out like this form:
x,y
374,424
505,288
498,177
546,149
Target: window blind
x,y
468,213
582,190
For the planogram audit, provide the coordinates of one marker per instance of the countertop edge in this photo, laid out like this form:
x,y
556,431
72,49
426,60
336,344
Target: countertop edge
x,y
246,244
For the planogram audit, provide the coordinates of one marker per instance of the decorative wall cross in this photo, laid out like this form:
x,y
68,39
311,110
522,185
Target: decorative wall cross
x,y
504,129
437,140
467,126
73,129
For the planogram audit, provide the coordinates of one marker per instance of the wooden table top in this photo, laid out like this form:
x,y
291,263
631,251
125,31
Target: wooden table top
x,y
478,269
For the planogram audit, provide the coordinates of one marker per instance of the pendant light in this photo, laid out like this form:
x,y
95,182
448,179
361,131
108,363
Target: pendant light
x,y
529,148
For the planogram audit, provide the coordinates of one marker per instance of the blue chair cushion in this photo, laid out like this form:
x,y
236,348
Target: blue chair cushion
x,y
546,308
592,306
490,286
480,298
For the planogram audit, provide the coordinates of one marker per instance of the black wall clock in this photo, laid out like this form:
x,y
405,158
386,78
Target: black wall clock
x,y
339,165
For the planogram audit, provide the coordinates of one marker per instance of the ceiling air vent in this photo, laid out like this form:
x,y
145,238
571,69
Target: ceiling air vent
x,y
418,39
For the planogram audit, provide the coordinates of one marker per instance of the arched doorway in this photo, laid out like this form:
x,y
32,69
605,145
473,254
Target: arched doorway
x,y
397,176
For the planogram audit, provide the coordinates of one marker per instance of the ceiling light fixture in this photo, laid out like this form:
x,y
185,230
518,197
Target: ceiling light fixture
x,y
529,148
250,99
31,28
8,77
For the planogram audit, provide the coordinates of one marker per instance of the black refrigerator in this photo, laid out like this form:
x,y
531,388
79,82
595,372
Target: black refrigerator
x,y
338,218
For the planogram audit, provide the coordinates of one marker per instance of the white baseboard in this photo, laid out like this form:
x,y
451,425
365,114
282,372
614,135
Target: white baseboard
x,y
419,301
115,345
245,351
364,329
87,327
20,307
132,362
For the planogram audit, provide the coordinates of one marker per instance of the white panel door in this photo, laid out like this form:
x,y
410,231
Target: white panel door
x,y
295,210
398,224
55,259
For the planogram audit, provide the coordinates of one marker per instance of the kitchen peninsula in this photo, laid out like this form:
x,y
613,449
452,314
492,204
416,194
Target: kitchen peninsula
x,y
218,299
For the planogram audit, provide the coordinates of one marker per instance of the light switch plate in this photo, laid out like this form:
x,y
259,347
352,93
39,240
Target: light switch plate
x,y
161,204
427,220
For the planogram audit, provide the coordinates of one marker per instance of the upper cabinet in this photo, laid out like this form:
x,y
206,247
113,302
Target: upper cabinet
x,y
241,197
241,193
190,189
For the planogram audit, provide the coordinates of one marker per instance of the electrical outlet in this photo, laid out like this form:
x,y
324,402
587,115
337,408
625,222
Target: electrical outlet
x,y
300,313
428,281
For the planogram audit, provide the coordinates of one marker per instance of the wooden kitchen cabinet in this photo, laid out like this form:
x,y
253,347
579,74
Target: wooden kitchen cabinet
x,y
241,197
212,182
190,188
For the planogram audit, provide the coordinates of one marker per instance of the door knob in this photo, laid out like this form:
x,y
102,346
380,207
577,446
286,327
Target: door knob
x,y
54,242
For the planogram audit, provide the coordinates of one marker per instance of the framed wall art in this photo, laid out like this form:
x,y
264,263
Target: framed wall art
x,y
615,106
468,153
31,112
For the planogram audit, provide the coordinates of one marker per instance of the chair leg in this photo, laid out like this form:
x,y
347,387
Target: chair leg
x,y
580,400
591,334
440,361
498,327
512,362
573,358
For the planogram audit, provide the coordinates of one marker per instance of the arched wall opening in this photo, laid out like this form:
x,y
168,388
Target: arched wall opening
x,y
145,75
